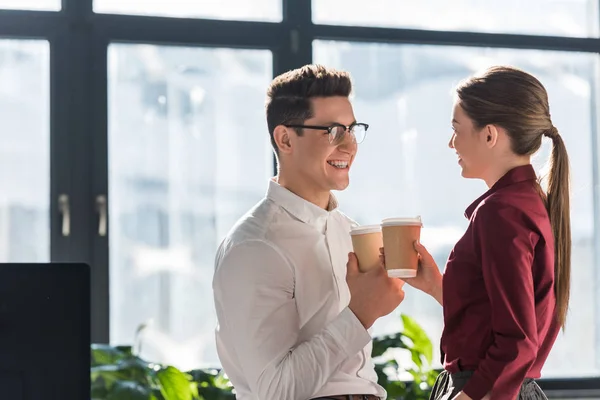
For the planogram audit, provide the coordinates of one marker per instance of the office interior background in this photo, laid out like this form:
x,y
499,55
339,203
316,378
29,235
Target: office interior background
x,y
133,136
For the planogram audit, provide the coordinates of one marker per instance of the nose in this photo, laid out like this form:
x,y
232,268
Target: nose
x,y
348,144
451,142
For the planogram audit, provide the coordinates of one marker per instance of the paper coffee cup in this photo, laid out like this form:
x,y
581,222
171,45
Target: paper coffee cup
x,y
366,242
399,235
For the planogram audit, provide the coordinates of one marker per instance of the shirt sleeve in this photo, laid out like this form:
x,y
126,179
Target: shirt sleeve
x,y
506,246
257,314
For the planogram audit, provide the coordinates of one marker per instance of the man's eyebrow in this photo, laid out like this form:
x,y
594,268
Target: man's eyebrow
x,y
337,123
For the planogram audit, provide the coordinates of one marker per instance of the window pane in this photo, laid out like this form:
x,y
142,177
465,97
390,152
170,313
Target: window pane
x,y
245,10
556,17
404,93
189,154
43,5
25,151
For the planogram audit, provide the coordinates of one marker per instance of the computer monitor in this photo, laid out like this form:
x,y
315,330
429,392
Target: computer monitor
x,y
44,331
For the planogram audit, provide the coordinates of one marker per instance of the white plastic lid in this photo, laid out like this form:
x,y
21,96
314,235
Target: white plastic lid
x,y
364,229
402,221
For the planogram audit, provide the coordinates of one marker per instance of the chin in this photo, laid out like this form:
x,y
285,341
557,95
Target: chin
x,y
337,180
339,185
465,173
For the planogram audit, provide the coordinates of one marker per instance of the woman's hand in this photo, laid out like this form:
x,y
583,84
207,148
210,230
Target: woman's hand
x,y
461,396
429,277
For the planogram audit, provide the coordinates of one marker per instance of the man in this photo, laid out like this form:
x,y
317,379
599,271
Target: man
x,y
292,307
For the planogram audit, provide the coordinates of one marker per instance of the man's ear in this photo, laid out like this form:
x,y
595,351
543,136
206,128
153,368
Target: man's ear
x,y
282,136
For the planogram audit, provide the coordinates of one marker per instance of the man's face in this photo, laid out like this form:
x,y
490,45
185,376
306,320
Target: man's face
x,y
323,165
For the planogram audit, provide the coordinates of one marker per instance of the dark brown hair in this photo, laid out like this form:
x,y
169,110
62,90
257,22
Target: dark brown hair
x,y
518,102
288,96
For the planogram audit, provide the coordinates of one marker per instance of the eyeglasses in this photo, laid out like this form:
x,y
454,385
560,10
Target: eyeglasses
x,y
337,132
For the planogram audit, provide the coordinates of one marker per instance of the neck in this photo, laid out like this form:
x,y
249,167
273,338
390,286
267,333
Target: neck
x,y
496,172
303,189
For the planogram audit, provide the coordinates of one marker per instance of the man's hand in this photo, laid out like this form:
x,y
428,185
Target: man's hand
x,y
373,293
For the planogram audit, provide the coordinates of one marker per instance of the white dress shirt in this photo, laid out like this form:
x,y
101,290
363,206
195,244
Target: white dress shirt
x,y
284,327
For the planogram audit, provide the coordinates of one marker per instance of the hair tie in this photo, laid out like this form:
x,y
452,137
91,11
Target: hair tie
x,y
551,133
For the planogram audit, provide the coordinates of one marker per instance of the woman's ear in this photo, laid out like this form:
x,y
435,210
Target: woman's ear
x,y
490,135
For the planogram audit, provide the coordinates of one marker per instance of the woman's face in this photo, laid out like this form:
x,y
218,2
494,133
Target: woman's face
x,y
469,142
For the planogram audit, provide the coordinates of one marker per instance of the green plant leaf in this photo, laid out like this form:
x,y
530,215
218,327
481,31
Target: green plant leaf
x,y
222,382
175,385
213,393
211,378
383,343
421,341
127,350
194,390
212,384
128,390
416,358
129,370
382,377
99,392
416,374
103,354
107,375
156,394
203,375
396,389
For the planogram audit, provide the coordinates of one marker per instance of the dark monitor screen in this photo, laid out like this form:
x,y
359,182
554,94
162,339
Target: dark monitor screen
x,y
44,331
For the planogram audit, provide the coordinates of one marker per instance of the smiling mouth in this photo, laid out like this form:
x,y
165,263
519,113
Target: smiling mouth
x,y
338,164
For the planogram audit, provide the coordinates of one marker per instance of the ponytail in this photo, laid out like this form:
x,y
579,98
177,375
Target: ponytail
x,y
560,219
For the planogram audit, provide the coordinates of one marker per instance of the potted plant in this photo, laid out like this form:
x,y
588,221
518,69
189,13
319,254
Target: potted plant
x,y
117,373
402,380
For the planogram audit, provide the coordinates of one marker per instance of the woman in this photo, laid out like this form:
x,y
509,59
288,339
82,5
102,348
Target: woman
x,y
505,288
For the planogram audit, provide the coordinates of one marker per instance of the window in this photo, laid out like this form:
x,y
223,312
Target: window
x,y
577,18
404,93
254,10
25,151
44,5
188,155
99,108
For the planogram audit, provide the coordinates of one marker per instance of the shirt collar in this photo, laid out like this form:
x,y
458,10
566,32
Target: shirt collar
x,y
300,208
515,175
